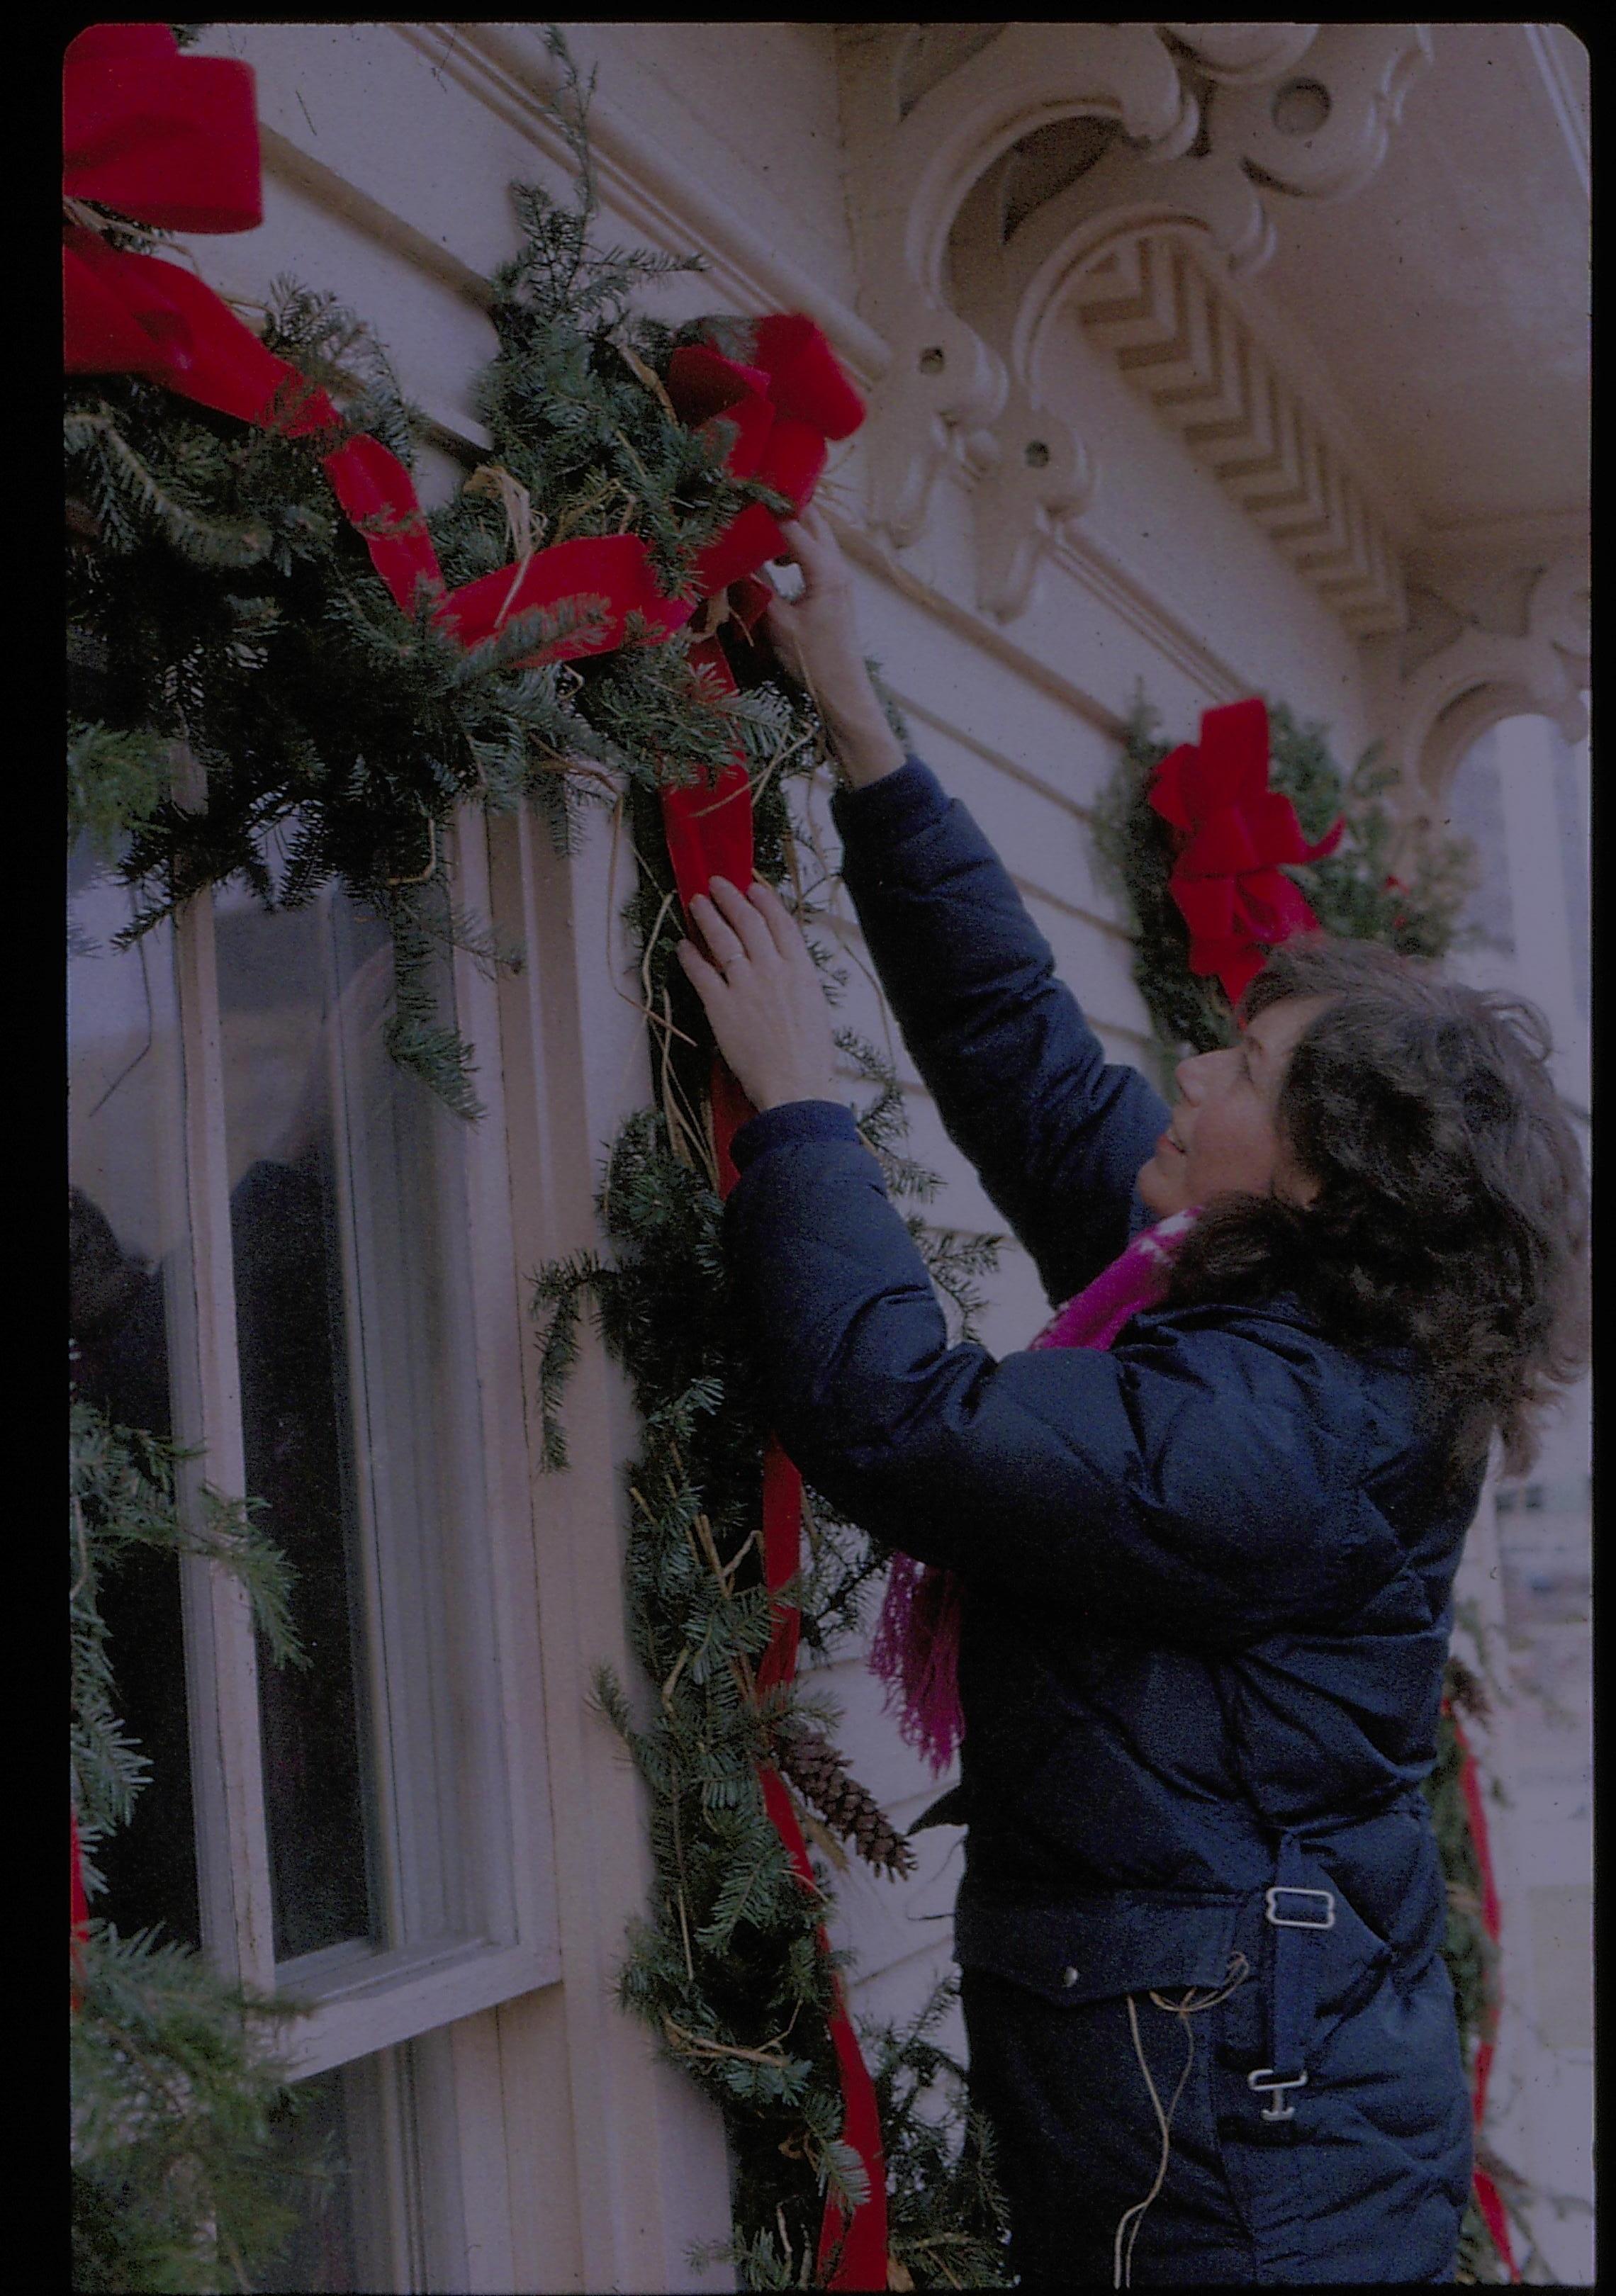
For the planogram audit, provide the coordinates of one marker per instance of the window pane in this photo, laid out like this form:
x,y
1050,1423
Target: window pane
x,y
369,2161
315,2151
129,1270
359,1421
296,1414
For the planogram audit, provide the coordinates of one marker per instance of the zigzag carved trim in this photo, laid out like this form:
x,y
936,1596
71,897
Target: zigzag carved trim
x,y
1185,346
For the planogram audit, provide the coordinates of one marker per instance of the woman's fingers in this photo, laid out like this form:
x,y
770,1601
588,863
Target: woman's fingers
x,y
754,924
815,549
784,929
704,974
742,920
723,942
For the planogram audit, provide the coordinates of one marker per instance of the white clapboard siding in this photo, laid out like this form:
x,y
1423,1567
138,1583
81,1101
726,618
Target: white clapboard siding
x,y
577,2160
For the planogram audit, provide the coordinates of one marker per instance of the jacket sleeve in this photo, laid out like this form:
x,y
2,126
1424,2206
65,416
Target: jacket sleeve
x,y
1200,1484
1020,1078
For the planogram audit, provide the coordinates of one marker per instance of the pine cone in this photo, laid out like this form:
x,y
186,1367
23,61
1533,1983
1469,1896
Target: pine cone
x,y
820,1776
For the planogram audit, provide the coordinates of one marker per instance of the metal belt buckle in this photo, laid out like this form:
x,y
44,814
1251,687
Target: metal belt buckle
x,y
1291,1921
1266,2082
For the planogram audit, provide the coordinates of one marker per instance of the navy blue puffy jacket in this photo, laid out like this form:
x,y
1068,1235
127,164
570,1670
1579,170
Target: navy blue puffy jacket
x,y
1207,1573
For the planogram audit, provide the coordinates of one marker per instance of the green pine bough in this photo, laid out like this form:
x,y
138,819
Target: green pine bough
x,y
221,608
1414,907
184,2169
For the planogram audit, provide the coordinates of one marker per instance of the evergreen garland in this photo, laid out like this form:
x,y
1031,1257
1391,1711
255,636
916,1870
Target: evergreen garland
x,y
727,1969
221,606
1354,893
217,598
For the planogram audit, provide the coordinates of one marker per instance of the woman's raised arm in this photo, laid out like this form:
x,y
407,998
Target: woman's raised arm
x,y
1020,1078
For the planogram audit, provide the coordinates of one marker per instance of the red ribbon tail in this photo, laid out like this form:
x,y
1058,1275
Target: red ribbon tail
x,y
1496,2219
378,497
852,2250
859,2244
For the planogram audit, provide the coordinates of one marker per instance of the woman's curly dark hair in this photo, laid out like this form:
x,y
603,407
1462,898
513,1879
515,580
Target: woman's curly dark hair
x,y
1452,1211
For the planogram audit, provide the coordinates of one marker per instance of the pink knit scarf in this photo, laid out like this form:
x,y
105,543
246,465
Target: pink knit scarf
x,y
915,1649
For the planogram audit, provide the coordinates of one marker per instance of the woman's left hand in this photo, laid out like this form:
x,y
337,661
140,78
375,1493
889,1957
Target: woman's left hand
x,y
762,995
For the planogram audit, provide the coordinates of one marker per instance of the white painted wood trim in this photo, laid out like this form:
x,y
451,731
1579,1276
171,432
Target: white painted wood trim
x,y
1094,570
650,2168
500,1341
221,1656
359,2001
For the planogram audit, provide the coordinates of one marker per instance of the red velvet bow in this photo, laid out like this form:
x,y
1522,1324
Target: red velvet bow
x,y
172,140
1237,833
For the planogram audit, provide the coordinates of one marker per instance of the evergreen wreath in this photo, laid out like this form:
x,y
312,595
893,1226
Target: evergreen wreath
x,y
1353,890
1354,893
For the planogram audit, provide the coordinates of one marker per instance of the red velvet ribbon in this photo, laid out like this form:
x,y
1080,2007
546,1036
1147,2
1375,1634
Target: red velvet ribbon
x,y
709,828
1487,2198
172,140
1234,834
782,404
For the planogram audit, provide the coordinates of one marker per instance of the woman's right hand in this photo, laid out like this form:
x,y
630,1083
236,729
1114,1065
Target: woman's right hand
x,y
817,639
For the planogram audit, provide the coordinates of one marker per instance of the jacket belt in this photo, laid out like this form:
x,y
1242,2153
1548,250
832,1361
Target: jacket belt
x,y
1299,1911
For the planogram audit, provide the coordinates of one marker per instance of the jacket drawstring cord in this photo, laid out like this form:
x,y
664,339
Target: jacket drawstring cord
x,y
1127,2233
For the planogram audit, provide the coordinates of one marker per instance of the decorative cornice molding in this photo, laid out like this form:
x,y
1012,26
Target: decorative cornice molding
x,y
1319,129
1239,54
1209,122
908,171
1179,337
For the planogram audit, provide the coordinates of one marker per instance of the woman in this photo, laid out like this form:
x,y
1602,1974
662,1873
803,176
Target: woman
x,y
1206,1558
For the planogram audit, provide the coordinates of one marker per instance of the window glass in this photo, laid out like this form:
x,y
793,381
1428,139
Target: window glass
x,y
297,1416
359,1423
315,2151
127,1295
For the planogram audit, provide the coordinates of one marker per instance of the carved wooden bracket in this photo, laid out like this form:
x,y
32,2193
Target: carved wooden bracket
x,y
913,158
1429,703
1187,132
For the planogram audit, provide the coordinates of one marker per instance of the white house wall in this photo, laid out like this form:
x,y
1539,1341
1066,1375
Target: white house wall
x,y
389,150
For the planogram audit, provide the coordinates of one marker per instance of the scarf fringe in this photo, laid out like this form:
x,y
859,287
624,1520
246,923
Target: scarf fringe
x,y
915,1646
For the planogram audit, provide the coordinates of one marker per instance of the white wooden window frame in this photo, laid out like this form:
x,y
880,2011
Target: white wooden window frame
x,y
359,1999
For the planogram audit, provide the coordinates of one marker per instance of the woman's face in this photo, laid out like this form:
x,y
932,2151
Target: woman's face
x,y
1223,1138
